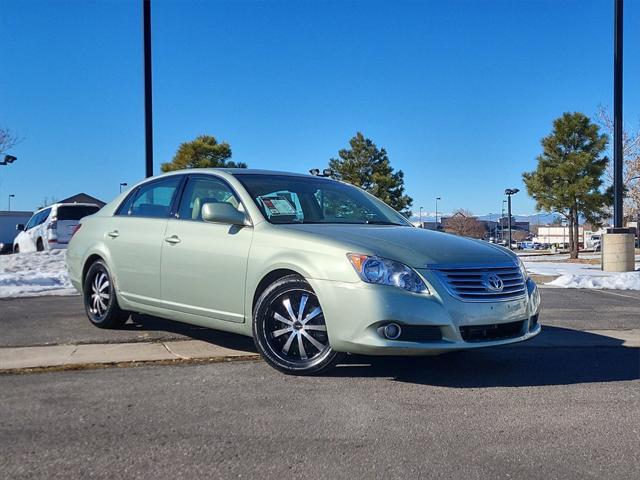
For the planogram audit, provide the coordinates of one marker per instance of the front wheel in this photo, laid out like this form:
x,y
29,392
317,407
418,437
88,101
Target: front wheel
x,y
289,329
100,300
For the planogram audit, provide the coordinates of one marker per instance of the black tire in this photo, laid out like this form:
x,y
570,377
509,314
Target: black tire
x,y
100,301
16,249
286,339
39,245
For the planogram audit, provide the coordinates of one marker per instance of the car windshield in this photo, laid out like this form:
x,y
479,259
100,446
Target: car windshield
x,y
287,199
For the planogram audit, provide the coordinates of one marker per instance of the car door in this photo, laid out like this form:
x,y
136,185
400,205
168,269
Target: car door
x,y
24,239
134,237
204,264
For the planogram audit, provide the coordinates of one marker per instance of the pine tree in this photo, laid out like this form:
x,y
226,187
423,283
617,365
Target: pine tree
x,y
367,167
568,179
202,152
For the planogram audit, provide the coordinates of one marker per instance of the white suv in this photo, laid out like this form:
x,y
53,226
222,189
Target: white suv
x,y
51,227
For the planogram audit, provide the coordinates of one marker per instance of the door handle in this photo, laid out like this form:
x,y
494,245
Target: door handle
x,y
173,239
114,234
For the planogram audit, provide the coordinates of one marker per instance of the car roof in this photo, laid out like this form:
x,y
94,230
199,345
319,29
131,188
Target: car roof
x,y
243,171
67,205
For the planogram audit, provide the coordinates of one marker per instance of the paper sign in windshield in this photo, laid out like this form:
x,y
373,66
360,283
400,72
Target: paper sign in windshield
x,y
278,206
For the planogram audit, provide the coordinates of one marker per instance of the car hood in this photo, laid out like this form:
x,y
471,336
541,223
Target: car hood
x,y
415,247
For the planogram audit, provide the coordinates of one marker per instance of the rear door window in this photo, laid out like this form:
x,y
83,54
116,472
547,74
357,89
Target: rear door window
x,y
76,212
152,200
42,216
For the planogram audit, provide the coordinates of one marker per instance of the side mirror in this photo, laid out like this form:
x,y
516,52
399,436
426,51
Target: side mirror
x,y
223,213
20,227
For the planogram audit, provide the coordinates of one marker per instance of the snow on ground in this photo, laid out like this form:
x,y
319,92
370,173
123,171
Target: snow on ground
x,y
581,275
617,281
34,274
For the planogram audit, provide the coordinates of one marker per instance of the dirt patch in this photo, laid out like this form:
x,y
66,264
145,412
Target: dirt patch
x,y
542,279
587,261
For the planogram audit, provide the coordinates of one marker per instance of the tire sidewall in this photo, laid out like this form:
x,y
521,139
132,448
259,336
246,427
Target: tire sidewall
x,y
112,309
277,288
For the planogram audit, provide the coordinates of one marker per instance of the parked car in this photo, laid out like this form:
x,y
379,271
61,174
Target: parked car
x,y
308,266
51,227
8,221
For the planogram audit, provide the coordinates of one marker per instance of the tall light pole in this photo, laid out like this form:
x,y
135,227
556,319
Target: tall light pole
x,y
508,192
10,197
8,160
148,104
421,208
502,221
123,184
437,198
494,229
618,186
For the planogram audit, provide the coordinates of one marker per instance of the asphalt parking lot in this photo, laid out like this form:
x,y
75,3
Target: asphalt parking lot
x,y
531,410
61,320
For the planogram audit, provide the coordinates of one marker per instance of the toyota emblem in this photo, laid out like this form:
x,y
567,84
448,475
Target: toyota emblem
x,y
493,283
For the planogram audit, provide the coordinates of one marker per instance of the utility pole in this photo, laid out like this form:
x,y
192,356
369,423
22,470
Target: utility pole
x,y
421,217
437,198
10,197
148,104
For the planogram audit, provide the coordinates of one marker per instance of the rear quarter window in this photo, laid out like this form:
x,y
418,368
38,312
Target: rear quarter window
x,y
75,212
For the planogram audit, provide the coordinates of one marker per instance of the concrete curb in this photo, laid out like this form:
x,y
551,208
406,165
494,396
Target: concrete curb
x,y
74,356
63,357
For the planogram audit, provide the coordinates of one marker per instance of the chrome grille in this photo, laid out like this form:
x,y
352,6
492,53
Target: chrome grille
x,y
477,283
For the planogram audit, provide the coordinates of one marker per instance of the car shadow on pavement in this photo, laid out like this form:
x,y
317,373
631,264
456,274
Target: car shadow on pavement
x,y
183,331
564,357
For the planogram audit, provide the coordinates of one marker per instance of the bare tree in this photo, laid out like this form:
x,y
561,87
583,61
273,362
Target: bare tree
x,y
7,140
630,158
463,223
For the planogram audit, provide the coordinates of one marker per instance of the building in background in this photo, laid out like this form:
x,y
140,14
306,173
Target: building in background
x,y
8,222
83,198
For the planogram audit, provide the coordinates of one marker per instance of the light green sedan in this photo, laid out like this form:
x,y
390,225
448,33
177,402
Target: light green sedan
x,y
310,267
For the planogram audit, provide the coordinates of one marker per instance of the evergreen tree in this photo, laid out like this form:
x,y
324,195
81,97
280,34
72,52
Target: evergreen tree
x,y
568,179
367,167
202,152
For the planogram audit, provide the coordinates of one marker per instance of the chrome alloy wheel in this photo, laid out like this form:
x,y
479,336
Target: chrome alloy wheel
x,y
100,295
295,327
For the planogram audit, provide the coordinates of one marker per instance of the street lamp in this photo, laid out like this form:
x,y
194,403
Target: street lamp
x,y
421,208
123,184
10,197
508,192
8,159
437,198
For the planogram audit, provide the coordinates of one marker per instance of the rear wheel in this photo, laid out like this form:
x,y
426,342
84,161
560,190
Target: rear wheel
x,y
289,329
40,245
16,249
100,300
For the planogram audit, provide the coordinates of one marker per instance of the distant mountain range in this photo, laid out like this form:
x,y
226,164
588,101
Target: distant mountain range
x,y
533,219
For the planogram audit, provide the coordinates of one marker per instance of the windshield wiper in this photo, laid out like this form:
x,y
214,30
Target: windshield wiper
x,y
382,222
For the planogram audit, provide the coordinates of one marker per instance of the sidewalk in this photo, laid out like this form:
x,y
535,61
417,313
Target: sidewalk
x,y
16,359
78,356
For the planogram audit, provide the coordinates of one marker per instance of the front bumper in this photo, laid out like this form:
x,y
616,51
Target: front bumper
x,y
354,313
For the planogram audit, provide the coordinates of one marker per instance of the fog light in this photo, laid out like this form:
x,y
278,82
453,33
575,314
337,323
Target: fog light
x,y
392,331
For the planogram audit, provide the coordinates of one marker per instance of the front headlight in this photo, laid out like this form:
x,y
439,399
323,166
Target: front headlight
x,y
381,271
523,269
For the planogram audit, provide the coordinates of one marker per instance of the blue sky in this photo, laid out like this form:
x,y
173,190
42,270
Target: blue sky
x,y
458,92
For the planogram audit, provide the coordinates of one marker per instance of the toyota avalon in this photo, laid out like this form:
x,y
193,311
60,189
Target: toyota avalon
x,y
310,267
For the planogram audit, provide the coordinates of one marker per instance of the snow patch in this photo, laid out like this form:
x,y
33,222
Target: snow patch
x,y
617,281
35,274
581,275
